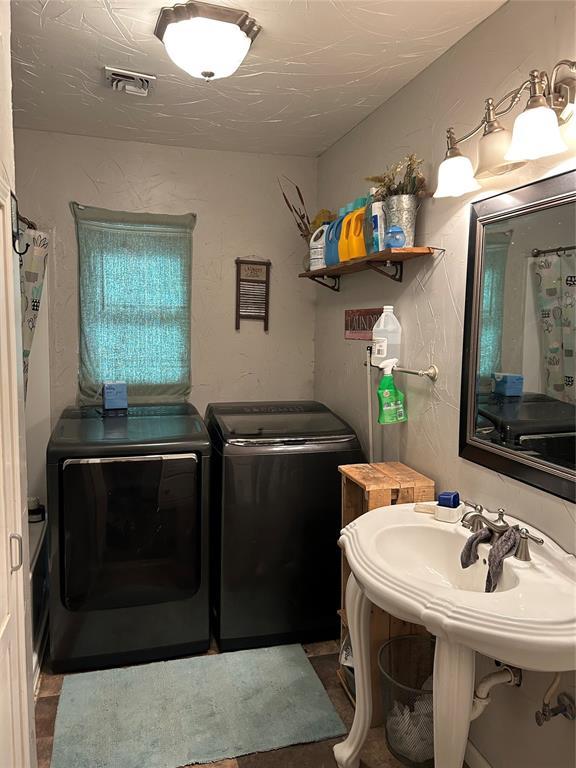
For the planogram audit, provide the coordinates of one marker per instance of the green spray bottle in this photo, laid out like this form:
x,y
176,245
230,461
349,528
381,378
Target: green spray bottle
x,y
390,400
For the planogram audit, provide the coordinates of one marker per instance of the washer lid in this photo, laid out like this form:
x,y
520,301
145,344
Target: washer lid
x,y
287,421
145,429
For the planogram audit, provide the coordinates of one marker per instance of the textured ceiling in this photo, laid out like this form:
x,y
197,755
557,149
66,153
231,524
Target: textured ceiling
x,y
317,69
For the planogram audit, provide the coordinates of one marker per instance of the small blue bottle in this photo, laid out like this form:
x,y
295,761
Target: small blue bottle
x,y
394,237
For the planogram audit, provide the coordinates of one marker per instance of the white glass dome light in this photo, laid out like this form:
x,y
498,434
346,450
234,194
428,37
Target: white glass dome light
x,y
493,146
536,134
207,41
455,177
568,126
202,46
492,150
455,172
536,131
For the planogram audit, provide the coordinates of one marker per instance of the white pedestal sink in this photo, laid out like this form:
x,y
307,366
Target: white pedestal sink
x,y
409,564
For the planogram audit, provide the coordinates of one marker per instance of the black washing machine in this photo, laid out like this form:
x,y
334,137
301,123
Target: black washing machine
x,y
128,511
275,521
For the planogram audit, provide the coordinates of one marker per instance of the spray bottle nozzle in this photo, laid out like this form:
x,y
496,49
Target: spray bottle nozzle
x,y
387,366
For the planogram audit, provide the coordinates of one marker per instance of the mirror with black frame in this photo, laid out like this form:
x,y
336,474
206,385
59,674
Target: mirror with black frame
x,y
518,412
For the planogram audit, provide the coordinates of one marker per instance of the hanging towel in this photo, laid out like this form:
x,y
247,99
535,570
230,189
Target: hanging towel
x,y
503,547
470,552
33,255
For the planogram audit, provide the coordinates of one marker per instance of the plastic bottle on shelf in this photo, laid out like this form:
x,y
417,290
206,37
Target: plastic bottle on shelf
x,y
394,237
373,223
343,243
356,244
331,256
386,337
318,247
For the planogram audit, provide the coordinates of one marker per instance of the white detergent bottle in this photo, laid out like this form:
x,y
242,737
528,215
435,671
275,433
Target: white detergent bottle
x,y
386,337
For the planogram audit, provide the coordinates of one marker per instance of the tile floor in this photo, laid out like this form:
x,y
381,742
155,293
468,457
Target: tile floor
x,y
324,659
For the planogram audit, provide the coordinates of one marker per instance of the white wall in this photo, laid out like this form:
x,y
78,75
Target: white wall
x,y
240,213
490,61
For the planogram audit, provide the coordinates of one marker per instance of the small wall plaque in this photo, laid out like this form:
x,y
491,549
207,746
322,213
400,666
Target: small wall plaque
x,y
252,291
358,323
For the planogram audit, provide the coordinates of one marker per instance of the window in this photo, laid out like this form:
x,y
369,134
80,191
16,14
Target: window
x,y
496,247
134,277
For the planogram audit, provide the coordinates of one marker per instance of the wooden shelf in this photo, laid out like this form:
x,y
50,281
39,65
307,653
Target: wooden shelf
x,y
390,259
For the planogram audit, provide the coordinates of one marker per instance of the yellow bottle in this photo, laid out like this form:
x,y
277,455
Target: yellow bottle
x,y
343,250
355,241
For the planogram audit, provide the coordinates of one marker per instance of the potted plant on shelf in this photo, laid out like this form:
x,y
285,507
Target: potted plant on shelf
x,y
400,188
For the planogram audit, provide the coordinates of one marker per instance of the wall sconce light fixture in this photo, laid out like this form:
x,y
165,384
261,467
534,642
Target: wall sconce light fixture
x,y
536,130
541,130
207,41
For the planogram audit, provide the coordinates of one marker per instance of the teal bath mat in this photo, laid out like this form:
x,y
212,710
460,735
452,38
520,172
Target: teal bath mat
x,y
196,710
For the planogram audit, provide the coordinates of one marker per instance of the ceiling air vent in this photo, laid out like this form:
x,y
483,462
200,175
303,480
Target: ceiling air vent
x,y
130,82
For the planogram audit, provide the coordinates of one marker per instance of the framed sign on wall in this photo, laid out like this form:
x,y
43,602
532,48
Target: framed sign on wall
x,y
252,291
358,323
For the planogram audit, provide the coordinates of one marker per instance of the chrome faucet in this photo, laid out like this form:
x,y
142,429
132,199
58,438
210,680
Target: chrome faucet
x,y
523,549
475,519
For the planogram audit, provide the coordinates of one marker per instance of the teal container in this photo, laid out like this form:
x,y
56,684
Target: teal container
x,y
332,237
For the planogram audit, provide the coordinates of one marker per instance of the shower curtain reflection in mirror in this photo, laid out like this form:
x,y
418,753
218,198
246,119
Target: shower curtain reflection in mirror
x,y
555,286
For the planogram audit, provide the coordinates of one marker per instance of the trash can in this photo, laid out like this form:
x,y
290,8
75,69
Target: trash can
x,y
406,665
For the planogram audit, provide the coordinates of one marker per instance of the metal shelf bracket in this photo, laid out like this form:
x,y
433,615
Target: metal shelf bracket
x,y
333,283
396,266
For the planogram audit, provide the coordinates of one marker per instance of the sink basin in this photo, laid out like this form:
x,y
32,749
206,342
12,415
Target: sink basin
x,y
412,563
431,555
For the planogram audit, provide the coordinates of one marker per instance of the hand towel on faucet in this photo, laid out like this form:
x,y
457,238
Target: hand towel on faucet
x,y
470,552
503,547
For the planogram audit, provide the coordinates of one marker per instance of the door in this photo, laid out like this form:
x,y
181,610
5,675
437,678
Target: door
x,y
137,539
16,729
280,568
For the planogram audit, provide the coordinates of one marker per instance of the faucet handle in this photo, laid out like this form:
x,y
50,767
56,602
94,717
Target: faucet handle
x,y
473,518
523,549
500,513
524,532
501,524
476,507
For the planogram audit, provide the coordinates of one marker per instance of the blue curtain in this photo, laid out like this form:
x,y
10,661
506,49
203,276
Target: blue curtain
x,y
134,277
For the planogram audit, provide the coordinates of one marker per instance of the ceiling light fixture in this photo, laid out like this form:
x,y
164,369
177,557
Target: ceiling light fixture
x,y
538,132
207,41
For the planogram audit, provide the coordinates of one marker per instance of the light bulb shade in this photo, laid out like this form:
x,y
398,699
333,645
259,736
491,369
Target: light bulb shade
x,y
205,40
455,177
536,134
206,48
568,131
492,149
